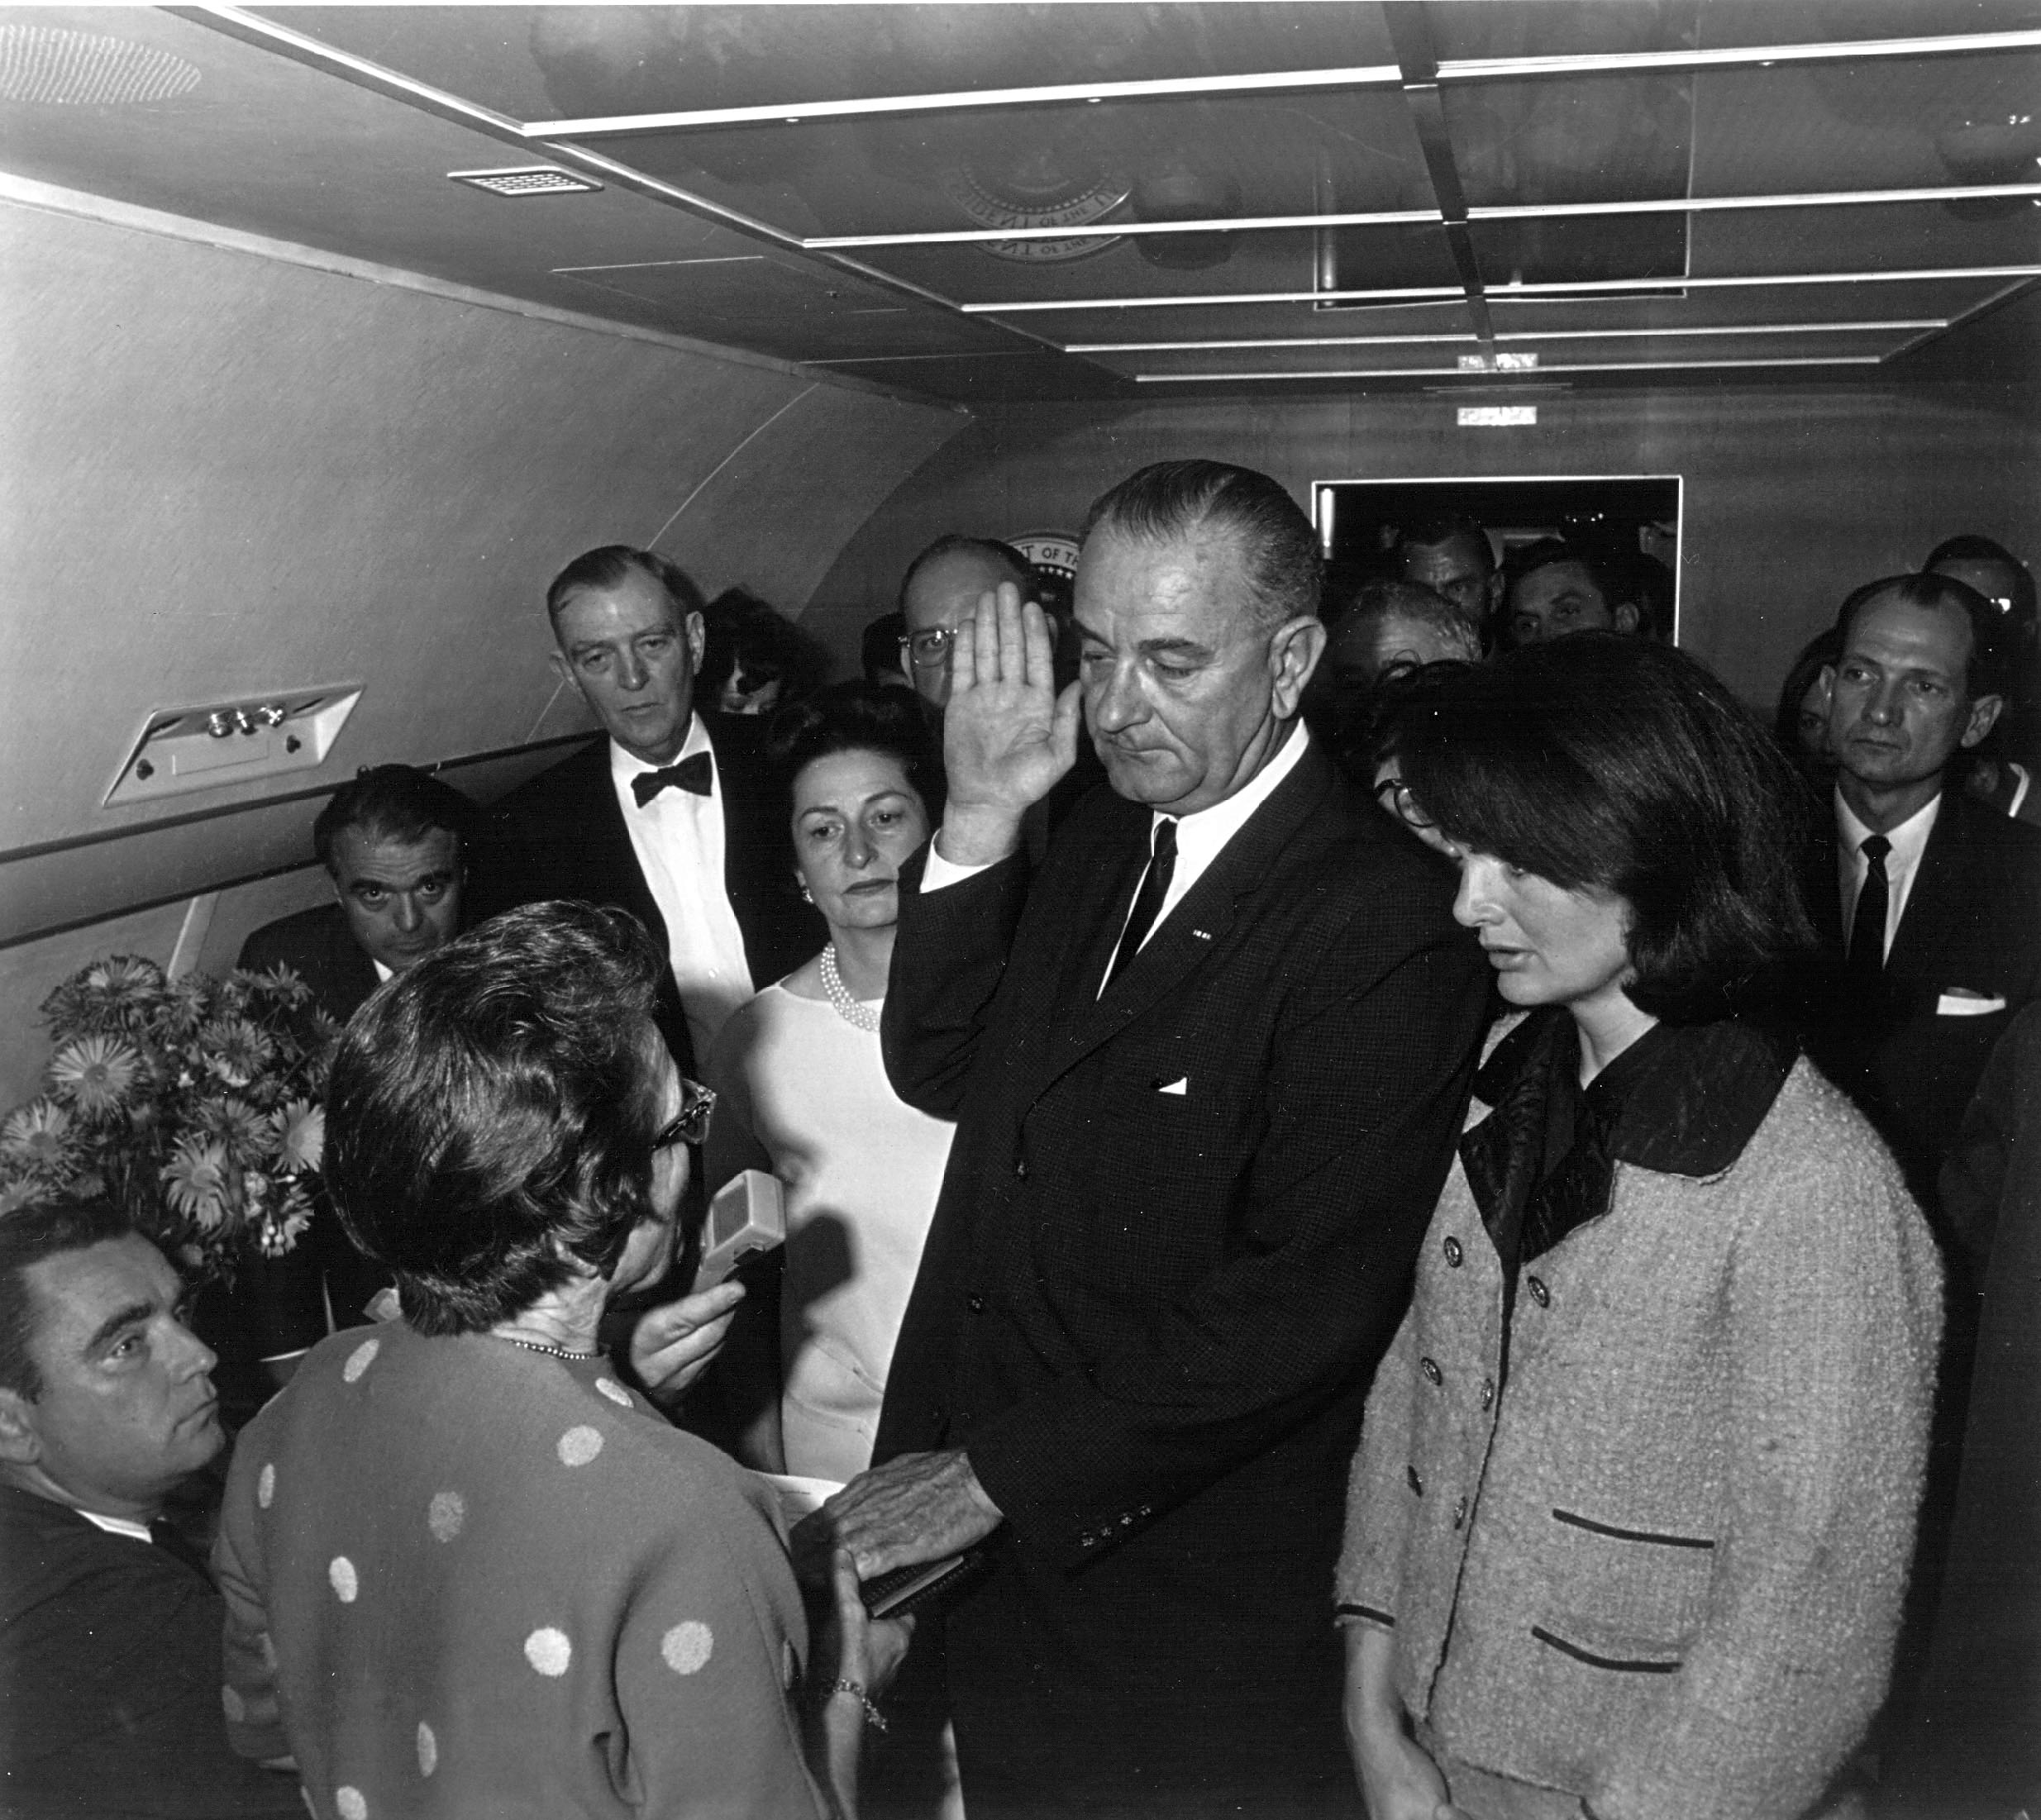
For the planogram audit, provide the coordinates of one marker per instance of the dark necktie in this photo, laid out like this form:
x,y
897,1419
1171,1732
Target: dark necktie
x,y
166,1536
690,774
1155,886
1867,954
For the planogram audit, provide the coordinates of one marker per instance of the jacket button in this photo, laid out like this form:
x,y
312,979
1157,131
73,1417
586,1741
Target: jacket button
x,y
1020,1170
1454,1254
975,1302
1539,1293
1417,1484
1429,1367
1488,1392
1459,1513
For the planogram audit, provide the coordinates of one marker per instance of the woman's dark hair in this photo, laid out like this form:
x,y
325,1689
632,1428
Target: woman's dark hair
x,y
1609,763
742,631
494,1104
858,717
1820,653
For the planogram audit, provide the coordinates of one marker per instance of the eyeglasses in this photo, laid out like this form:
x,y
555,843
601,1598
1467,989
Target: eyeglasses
x,y
927,649
690,1124
1393,795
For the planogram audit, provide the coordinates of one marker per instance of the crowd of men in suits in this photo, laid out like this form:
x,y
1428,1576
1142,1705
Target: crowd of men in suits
x,y
1207,1032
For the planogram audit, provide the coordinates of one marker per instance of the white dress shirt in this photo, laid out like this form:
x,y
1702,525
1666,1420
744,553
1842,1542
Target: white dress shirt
x,y
678,837
117,1526
1200,836
1909,841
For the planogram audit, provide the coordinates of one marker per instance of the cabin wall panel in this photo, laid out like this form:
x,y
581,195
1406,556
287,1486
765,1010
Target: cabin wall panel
x,y
1792,496
226,472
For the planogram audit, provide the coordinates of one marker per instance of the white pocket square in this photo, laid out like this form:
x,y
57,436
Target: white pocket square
x,y
1177,1087
1967,1004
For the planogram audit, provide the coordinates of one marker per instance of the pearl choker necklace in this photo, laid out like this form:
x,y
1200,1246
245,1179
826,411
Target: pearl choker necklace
x,y
862,1017
556,1352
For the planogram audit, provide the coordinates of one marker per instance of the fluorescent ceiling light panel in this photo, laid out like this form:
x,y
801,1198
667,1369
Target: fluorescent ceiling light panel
x,y
526,180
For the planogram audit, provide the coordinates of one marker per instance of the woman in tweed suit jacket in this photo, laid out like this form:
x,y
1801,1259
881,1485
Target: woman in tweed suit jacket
x,y
1630,1524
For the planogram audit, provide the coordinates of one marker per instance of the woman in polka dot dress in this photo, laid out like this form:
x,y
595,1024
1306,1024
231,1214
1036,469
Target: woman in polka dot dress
x,y
469,1570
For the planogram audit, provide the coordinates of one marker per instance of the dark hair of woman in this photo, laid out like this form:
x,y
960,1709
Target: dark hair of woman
x,y
1608,763
494,1104
860,717
1817,655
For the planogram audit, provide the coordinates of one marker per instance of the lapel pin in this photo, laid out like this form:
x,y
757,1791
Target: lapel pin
x,y
1202,935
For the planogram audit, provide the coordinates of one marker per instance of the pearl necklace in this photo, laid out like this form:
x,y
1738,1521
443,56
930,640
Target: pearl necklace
x,y
556,1352
861,1016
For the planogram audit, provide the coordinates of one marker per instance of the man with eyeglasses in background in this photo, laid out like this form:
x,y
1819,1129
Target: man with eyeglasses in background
x,y
938,594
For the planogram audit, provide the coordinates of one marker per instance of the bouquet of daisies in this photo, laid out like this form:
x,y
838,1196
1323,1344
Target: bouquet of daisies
x,y
193,1103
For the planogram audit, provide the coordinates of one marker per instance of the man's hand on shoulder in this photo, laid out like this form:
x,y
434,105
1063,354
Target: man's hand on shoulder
x,y
919,1507
1007,735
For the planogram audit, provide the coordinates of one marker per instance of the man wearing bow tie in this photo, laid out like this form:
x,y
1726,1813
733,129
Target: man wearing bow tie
x,y
656,818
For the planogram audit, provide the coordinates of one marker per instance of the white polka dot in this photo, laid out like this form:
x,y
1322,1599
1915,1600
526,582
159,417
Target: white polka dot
x,y
428,1749
361,1359
614,1391
352,1803
233,1706
341,1571
548,1650
265,1486
577,1446
445,1515
686,1648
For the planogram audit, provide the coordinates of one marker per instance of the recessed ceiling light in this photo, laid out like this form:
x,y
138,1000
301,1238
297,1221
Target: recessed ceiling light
x,y
526,180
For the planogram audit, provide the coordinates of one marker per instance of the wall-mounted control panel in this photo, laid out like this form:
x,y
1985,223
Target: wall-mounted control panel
x,y
183,748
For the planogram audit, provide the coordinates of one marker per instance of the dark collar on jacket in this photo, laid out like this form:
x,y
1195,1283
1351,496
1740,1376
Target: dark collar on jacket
x,y
1683,1100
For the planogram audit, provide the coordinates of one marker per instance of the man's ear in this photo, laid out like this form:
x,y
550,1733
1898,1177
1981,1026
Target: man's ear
x,y
564,671
697,630
1624,616
21,1442
1294,653
1984,713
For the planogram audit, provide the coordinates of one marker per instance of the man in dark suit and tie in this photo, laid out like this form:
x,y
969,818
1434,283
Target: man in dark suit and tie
x,y
1929,902
1209,1060
394,841
688,834
110,1625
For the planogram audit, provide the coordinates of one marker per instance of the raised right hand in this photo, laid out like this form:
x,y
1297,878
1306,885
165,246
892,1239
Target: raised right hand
x,y
1006,734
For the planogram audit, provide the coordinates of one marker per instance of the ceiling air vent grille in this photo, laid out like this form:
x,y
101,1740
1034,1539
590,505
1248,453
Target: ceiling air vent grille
x,y
525,180
83,68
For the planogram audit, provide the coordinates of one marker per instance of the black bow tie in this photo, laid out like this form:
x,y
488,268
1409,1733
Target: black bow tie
x,y
690,774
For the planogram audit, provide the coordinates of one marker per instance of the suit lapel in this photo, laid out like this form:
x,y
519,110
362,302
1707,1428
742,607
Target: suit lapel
x,y
1933,931
1189,935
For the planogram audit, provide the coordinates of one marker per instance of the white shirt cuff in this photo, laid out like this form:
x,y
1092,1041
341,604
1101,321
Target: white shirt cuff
x,y
940,871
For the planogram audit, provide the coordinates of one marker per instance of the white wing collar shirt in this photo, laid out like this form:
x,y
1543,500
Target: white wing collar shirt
x,y
678,837
1201,837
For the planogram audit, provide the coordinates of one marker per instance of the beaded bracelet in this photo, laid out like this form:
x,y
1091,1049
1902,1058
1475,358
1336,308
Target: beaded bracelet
x,y
873,1716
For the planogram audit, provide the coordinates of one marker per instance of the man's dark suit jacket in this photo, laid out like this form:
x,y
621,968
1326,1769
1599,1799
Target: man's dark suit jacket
x,y
562,834
1972,921
110,1679
279,1304
1151,1317
318,946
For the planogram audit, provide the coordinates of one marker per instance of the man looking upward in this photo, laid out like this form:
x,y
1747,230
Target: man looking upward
x,y
1208,1059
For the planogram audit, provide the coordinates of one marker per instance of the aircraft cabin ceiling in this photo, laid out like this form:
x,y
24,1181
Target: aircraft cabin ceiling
x,y
1004,202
